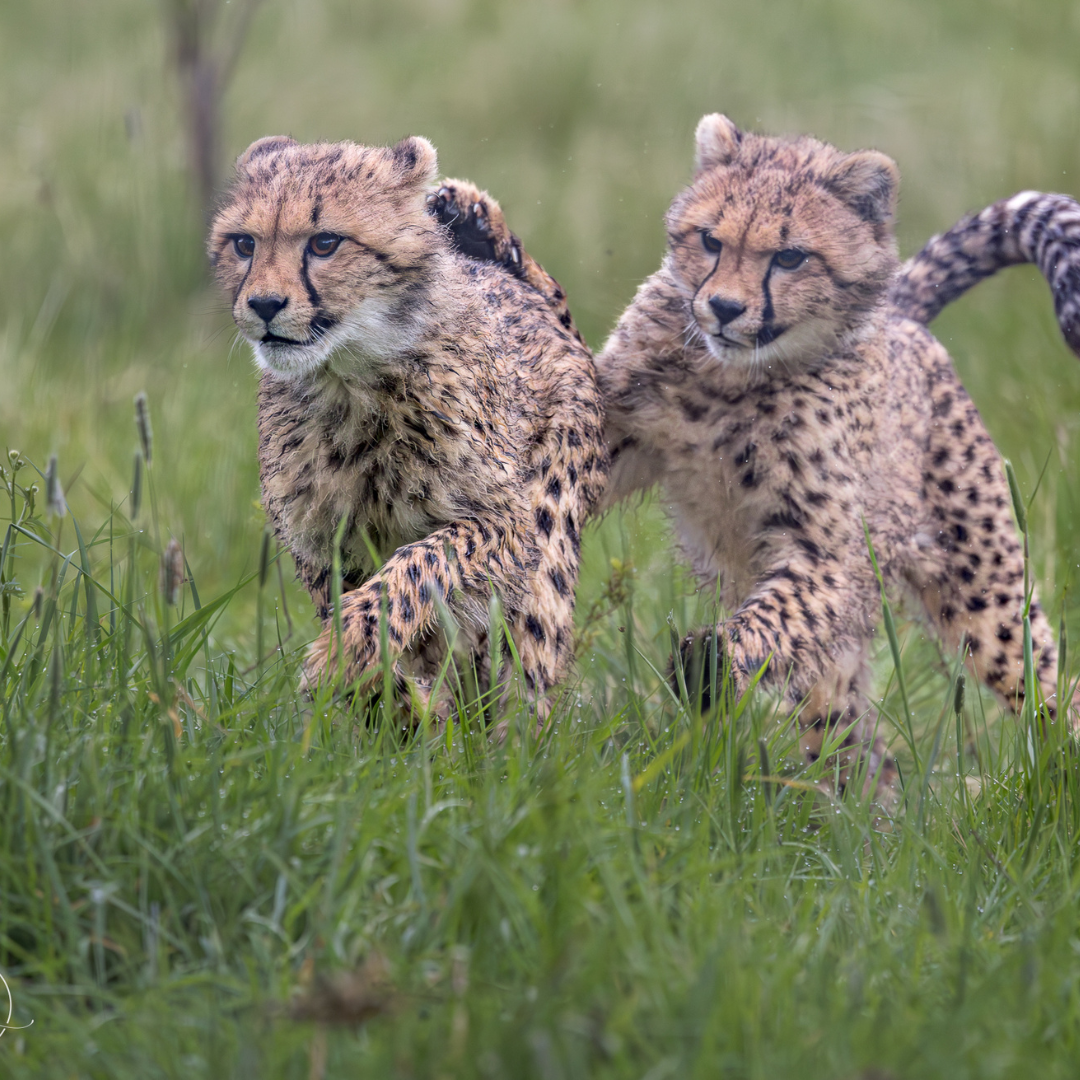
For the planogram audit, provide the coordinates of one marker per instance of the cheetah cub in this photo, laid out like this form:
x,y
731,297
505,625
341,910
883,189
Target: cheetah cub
x,y
429,404
764,379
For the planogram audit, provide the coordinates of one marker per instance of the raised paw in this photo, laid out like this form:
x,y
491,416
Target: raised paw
x,y
478,229
321,665
363,679
476,223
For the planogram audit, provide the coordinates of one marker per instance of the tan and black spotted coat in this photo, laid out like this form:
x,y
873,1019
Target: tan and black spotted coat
x,y
431,400
781,401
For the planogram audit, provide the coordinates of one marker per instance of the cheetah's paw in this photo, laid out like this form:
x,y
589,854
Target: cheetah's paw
x,y
476,222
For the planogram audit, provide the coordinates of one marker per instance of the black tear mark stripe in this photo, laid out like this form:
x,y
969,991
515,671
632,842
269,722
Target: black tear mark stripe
x,y
767,313
313,296
705,281
243,280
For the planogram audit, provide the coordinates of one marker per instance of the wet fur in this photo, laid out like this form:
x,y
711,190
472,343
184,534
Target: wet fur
x,y
822,406
431,399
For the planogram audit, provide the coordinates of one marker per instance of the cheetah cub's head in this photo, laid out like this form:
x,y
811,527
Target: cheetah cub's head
x,y
326,247
781,246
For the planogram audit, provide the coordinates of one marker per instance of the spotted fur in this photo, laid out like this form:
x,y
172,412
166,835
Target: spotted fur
x,y
815,437
432,401
763,379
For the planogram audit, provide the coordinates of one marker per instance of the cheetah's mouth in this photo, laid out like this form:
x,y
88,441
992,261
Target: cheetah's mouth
x,y
367,335
765,336
275,339
791,345
319,327
725,342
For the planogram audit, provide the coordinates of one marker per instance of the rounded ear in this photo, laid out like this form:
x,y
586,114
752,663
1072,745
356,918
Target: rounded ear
x,y
414,160
867,181
269,144
717,141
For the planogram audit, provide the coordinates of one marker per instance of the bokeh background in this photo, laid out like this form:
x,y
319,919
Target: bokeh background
x,y
578,115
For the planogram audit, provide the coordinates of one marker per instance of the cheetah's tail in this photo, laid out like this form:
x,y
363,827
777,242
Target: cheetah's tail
x,y
1030,227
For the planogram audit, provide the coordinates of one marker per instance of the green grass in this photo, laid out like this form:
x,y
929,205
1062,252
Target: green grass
x,y
185,844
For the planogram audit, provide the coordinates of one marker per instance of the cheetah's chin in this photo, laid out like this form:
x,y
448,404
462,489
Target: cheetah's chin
x,y
800,345
291,361
368,337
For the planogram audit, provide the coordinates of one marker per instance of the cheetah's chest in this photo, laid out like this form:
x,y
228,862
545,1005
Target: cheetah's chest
x,y
770,461
394,471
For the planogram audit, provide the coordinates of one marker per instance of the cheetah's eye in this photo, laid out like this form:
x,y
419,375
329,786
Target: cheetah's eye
x,y
710,243
245,245
324,244
790,258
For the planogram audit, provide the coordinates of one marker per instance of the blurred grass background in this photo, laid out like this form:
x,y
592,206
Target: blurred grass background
x,y
578,116
634,893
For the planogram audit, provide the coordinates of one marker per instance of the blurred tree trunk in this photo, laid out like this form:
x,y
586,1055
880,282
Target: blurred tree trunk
x,y
207,36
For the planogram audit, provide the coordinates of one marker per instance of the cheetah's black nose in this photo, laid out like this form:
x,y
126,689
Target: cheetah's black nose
x,y
726,310
266,307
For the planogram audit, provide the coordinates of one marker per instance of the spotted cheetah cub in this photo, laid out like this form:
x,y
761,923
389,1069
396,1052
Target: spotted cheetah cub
x,y
430,404
765,381
957,590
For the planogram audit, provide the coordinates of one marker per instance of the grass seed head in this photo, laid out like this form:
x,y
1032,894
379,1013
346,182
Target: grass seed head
x,y
171,576
54,493
347,998
136,486
142,422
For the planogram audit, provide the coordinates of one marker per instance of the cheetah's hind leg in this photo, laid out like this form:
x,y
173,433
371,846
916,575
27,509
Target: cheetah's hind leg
x,y
478,229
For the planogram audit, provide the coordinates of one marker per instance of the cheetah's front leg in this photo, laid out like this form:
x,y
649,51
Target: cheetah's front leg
x,y
457,565
812,641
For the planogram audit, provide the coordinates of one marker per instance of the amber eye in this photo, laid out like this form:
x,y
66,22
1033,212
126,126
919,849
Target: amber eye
x,y
790,258
710,243
245,245
324,244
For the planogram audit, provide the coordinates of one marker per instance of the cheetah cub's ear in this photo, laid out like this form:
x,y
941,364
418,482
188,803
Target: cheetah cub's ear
x,y
717,140
414,161
270,144
867,181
